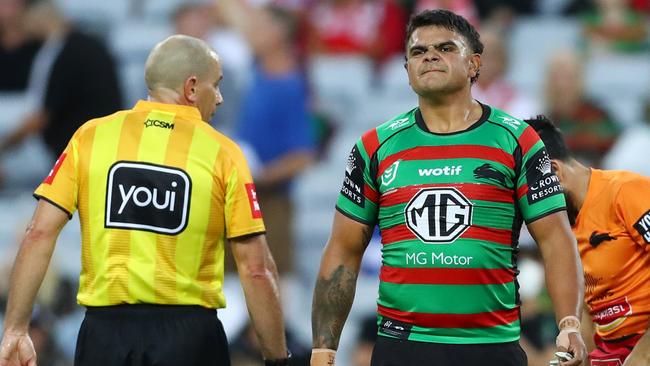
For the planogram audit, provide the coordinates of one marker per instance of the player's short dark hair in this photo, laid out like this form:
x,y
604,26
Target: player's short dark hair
x,y
551,136
448,20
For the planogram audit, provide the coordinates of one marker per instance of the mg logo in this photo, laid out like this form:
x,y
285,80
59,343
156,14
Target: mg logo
x,y
438,215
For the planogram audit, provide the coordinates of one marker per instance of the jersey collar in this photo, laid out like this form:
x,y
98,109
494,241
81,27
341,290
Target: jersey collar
x,y
189,112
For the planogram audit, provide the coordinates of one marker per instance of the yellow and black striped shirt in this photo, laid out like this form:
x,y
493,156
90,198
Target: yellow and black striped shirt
x,y
158,190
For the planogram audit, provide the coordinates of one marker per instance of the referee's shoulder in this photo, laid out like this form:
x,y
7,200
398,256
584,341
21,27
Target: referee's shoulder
x,y
92,123
225,143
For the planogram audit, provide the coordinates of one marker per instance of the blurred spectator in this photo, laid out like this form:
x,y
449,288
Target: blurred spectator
x,y
488,8
589,130
80,78
373,28
366,338
464,8
501,13
197,19
17,49
274,119
40,330
492,87
538,328
245,349
613,26
630,150
642,6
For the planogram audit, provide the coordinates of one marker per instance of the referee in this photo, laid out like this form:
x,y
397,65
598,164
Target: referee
x,y
158,191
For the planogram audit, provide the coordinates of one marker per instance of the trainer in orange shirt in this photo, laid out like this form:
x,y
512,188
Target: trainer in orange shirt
x,y
158,192
610,214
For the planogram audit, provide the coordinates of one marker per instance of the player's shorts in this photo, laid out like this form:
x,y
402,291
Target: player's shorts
x,y
612,353
397,352
147,335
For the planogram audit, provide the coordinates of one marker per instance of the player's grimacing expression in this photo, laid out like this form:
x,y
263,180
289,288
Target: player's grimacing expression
x,y
439,60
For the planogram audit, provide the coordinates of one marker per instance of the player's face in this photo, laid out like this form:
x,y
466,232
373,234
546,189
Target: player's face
x,y
439,61
208,93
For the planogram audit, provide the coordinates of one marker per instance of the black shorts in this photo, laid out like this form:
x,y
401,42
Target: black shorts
x,y
397,352
148,335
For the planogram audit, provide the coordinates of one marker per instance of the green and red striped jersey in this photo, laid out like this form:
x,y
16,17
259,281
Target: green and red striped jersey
x,y
450,208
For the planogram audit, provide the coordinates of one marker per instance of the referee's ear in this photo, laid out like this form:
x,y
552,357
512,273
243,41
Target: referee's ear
x,y
190,89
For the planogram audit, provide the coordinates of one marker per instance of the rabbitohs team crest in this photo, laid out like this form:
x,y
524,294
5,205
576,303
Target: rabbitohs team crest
x,y
389,174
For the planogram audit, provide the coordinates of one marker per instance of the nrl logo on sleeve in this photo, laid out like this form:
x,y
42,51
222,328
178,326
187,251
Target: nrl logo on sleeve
x,y
353,182
389,174
541,180
643,226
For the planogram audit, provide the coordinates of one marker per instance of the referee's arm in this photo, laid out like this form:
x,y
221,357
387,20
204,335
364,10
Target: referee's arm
x,y
259,279
27,275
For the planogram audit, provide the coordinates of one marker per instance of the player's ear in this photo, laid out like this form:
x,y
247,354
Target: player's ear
x,y
558,168
474,65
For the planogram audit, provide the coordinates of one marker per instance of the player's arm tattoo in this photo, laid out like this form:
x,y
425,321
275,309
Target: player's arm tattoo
x,y
333,298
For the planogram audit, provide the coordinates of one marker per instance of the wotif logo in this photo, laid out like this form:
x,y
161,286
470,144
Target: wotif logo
x,y
142,196
435,172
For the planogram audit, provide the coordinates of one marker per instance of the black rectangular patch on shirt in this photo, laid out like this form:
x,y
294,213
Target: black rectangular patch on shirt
x,y
643,226
540,178
395,328
353,182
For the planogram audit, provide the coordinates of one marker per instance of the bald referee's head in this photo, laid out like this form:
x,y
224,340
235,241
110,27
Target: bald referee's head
x,y
185,70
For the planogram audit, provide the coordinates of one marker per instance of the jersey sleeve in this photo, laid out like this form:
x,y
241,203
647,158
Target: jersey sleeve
x,y
539,191
61,187
242,211
358,198
633,209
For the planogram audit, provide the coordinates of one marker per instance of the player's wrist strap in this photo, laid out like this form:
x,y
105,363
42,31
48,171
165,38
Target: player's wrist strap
x,y
323,355
567,325
570,322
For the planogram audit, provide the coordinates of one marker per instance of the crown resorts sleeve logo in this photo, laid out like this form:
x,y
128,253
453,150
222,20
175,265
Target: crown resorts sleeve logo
x,y
542,182
148,197
353,183
438,215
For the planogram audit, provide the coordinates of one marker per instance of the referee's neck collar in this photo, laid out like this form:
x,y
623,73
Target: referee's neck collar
x,y
186,111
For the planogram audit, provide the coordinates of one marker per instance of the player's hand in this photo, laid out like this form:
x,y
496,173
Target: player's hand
x,y
321,357
576,346
17,349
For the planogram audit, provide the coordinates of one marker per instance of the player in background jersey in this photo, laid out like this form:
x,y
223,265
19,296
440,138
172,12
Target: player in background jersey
x,y
449,184
158,191
610,214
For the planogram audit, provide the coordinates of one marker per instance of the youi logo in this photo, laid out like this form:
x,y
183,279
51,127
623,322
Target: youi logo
x,y
148,197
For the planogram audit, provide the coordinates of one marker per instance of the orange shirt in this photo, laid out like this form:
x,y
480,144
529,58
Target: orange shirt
x,y
613,233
